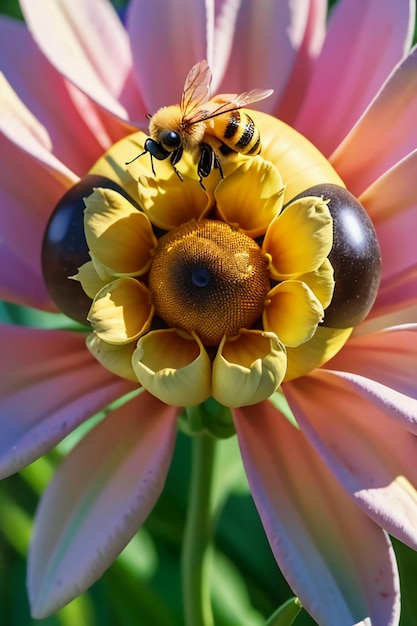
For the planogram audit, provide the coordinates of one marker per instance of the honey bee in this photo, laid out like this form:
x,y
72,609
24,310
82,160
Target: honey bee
x,y
215,125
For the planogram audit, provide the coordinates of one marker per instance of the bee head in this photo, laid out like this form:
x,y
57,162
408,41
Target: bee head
x,y
170,140
165,128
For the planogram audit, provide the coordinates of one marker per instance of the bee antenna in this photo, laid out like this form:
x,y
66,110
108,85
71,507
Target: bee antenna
x,y
148,116
136,157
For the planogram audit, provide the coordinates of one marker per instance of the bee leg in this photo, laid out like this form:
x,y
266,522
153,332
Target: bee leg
x,y
217,164
206,162
175,157
152,166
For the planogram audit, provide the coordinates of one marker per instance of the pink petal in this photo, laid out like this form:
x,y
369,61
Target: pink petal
x,y
67,124
364,42
385,134
307,52
335,558
265,47
167,39
396,293
20,126
49,384
98,499
24,209
86,42
394,193
369,452
388,357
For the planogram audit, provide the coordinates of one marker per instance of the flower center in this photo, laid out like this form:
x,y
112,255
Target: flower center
x,y
210,279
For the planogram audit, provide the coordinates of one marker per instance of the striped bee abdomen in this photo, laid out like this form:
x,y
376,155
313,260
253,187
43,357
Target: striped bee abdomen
x,y
238,132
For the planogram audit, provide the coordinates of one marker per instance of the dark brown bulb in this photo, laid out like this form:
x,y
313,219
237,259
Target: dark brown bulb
x,y
64,248
355,257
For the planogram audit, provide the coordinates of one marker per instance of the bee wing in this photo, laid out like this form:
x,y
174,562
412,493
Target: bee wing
x,y
196,89
224,103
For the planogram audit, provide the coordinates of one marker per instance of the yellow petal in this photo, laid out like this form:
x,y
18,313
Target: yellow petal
x,y
251,196
321,282
119,236
324,344
248,369
117,359
90,280
292,312
121,311
300,163
170,203
300,238
172,367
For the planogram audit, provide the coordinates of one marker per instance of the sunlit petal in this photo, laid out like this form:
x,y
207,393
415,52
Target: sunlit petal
x,y
121,311
383,34
313,526
87,43
253,363
292,312
394,109
256,183
175,369
300,238
101,494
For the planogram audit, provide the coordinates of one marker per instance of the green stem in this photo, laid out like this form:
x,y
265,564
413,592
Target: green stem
x,y
196,553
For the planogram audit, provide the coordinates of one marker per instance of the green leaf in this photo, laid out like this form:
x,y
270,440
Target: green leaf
x,y
285,614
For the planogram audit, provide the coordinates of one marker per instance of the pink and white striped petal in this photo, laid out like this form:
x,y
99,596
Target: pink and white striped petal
x,y
87,43
385,134
362,435
388,357
98,499
163,30
364,41
49,384
339,563
69,123
303,65
265,45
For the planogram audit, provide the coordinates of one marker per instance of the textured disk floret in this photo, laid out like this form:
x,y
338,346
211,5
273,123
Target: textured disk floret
x,y
209,279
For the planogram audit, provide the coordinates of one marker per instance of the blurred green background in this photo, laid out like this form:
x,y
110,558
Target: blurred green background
x,y
143,585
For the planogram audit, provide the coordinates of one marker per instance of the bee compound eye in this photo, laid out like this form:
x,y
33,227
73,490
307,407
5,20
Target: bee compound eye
x,y
171,140
64,248
355,257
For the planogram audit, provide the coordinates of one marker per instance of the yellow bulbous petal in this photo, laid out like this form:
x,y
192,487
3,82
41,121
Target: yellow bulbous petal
x,y
321,282
170,203
300,164
90,279
248,368
324,344
173,367
300,238
119,236
115,358
251,196
292,312
121,311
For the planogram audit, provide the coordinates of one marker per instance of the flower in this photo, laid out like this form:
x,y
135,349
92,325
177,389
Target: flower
x,y
328,490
